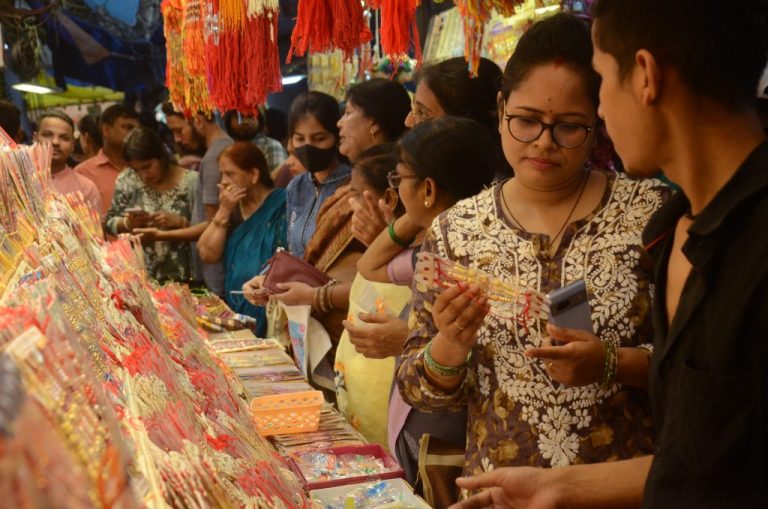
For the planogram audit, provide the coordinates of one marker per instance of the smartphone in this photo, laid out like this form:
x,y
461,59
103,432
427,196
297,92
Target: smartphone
x,y
569,307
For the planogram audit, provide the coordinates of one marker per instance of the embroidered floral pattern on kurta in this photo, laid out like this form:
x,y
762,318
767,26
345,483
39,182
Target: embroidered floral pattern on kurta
x,y
517,414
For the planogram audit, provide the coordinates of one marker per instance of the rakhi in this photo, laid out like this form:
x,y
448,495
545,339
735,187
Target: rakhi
x,y
507,300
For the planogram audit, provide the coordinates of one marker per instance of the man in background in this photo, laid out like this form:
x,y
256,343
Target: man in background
x,y
10,120
115,124
199,131
56,128
251,128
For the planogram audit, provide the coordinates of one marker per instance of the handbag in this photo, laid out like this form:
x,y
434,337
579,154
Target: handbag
x,y
440,464
286,268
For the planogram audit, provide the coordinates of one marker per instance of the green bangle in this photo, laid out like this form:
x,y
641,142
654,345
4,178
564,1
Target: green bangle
x,y
439,369
397,240
611,365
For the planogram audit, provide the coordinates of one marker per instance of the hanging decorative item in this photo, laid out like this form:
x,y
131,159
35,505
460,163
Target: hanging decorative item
x,y
314,29
185,56
350,26
474,16
242,54
173,17
325,25
398,32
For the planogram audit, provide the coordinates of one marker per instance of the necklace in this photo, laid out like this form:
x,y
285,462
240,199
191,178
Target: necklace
x,y
585,179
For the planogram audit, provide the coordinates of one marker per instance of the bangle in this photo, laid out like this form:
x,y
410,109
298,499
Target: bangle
x,y
323,295
611,365
220,223
397,240
446,371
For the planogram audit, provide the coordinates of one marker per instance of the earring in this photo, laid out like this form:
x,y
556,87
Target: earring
x,y
426,203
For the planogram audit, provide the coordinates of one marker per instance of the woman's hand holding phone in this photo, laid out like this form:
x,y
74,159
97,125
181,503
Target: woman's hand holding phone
x,y
136,218
579,361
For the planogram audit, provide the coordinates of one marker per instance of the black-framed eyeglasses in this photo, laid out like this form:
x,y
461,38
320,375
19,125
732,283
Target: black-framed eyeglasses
x,y
394,179
565,134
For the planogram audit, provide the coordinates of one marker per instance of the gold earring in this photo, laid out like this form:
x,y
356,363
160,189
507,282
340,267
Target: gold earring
x,y
426,203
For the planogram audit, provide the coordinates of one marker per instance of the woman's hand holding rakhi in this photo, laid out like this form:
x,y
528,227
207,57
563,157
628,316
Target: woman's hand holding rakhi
x,y
458,313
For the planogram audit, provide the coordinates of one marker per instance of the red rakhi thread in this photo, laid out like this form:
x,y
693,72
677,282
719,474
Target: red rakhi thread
x,y
220,442
350,26
314,29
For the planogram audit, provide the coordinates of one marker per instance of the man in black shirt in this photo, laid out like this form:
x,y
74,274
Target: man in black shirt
x,y
679,93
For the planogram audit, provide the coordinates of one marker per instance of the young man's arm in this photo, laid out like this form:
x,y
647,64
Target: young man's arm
x,y
614,485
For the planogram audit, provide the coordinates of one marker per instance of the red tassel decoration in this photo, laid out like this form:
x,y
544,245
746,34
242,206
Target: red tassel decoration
x,y
398,28
262,61
350,26
314,29
243,60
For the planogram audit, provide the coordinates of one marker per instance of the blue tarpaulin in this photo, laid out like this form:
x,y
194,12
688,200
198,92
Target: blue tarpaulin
x,y
121,10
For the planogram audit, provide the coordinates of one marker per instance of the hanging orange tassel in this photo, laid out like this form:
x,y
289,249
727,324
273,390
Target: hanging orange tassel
x,y
398,29
196,97
314,29
243,62
350,26
173,19
194,37
262,61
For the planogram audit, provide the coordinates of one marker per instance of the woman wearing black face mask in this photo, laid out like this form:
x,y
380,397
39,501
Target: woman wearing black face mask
x,y
317,197
314,139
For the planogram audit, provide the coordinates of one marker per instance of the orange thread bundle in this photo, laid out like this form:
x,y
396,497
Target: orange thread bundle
x,y
173,20
398,28
196,97
242,55
314,29
474,15
350,26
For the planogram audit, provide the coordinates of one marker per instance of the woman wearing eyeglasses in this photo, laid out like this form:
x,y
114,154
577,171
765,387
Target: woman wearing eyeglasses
x,y
440,162
555,222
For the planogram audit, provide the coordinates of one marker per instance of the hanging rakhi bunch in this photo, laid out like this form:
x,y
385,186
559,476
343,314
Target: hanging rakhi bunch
x,y
173,24
474,16
193,64
242,55
398,32
324,25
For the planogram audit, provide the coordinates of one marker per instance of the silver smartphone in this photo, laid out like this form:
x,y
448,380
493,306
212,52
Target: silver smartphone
x,y
569,307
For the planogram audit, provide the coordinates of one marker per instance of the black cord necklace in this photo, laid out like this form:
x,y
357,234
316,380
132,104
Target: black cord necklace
x,y
585,179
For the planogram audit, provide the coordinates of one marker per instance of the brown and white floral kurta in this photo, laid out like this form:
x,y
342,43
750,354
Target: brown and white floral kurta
x,y
517,414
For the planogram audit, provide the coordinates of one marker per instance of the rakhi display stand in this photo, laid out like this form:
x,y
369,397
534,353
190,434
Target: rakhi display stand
x,y
137,410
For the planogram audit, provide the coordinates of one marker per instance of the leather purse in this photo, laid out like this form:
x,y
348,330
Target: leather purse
x,y
286,268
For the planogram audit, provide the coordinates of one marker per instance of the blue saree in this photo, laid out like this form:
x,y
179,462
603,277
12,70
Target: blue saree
x,y
249,246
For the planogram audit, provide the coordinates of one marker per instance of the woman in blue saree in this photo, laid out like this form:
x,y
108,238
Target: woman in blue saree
x,y
248,227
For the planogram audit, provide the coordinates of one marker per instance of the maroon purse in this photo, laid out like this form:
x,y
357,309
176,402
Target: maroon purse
x,y
286,268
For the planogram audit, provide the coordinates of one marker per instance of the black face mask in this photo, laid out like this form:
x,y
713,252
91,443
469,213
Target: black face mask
x,y
314,159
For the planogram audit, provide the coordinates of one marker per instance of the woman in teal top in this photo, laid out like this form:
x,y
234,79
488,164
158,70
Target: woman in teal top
x,y
249,226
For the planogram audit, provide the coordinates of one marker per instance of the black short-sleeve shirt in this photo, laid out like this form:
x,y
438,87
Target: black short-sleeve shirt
x,y
708,382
